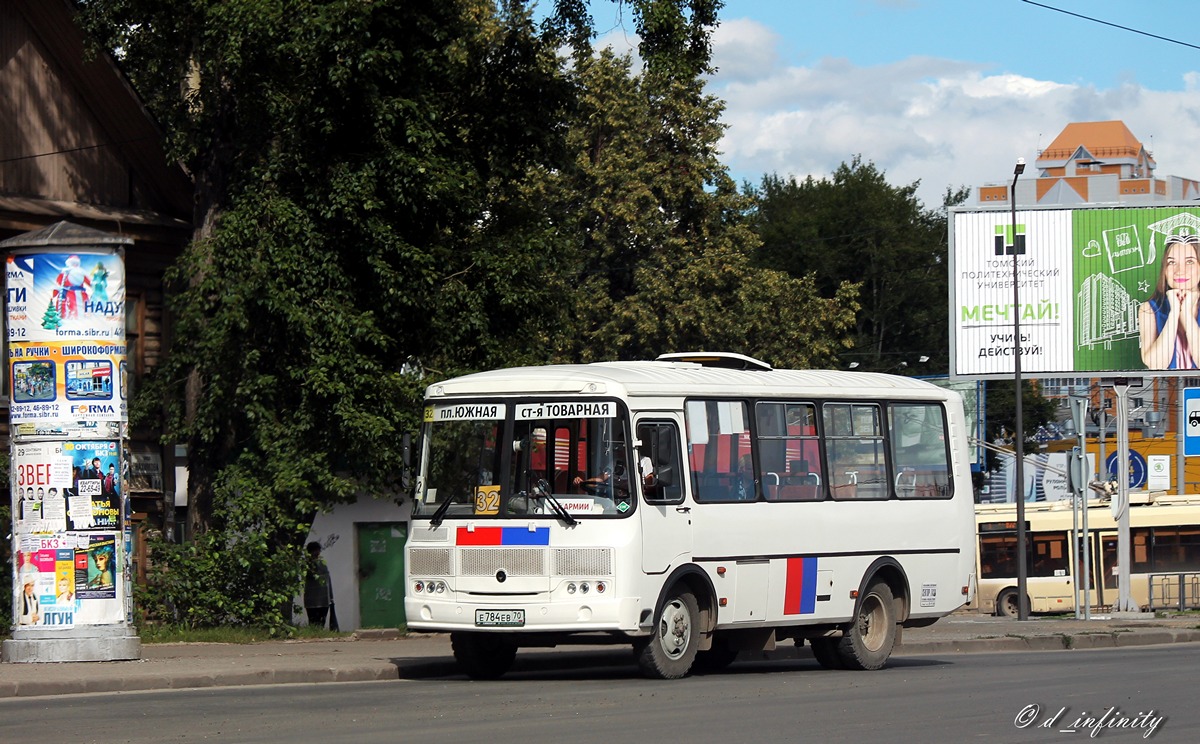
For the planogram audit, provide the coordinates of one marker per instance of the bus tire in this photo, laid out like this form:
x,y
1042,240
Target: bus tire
x,y
483,655
1006,604
716,658
868,642
825,651
670,651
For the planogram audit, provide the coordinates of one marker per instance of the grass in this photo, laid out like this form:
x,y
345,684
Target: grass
x,y
232,634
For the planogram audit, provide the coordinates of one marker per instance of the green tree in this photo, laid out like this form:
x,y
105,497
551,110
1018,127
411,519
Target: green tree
x,y
663,244
358,223
1001,407
855,226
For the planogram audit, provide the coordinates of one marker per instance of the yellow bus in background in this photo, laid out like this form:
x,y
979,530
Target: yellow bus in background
x,y
1164,552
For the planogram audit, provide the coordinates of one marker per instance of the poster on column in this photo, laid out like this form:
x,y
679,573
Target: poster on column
x,y
66,296
96,568
67,381
68,580
41,477
94,500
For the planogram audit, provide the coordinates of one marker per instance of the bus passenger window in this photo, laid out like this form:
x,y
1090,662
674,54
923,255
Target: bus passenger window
x,y
721,453
920,457
855,446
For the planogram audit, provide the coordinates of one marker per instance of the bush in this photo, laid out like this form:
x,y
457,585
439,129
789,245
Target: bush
x,y
220,579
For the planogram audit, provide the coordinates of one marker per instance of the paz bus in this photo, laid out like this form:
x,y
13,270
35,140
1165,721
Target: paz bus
x,y
1164,552
692,507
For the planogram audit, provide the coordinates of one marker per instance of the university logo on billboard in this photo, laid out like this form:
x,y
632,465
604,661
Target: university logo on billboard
x,y
1006,243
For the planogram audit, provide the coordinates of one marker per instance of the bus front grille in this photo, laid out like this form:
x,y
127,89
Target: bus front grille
x,y
513,561
582,562
429,562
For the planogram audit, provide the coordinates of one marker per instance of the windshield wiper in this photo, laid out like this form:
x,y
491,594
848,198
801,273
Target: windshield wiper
x,y
436,520
542,491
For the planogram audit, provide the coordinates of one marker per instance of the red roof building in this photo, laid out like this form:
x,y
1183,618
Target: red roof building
x,y
1094,162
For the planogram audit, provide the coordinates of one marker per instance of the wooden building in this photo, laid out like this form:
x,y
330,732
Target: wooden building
x,y
77,145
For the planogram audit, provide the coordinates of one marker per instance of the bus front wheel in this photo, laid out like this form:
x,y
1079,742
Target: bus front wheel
x,y
868,641
670,651
483,655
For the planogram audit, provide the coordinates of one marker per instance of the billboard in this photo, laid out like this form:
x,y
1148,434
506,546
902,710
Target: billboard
x,y
1102,291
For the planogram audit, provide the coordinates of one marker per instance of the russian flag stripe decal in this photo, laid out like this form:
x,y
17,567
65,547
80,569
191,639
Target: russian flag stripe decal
x,y
503,536
800,586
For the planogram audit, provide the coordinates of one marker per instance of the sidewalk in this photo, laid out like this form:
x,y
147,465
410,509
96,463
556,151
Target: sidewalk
x,y
381,655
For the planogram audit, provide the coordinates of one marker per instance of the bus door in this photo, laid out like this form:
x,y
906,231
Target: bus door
x,y
665,513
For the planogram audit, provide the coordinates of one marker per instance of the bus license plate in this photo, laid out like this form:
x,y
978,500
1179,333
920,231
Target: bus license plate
x,y
500,618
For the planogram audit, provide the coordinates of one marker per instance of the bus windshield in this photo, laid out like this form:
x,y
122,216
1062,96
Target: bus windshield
x,y
530,458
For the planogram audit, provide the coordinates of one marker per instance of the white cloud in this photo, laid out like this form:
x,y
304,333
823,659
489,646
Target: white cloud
x,y
748,50
943,122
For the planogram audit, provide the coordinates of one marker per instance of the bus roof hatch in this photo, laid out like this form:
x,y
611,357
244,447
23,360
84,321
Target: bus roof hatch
x,y
722,359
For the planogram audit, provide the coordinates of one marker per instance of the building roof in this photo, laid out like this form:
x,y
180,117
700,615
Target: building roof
x,y
1102,139
75,133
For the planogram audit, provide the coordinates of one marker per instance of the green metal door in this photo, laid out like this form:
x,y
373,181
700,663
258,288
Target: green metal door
x,y
381,575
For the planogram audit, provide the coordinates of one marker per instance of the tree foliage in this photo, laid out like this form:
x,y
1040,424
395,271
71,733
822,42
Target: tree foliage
x,y
855,226
356,170
1036,411
662,240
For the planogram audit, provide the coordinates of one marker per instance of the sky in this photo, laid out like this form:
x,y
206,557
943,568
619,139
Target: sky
x,y
945,92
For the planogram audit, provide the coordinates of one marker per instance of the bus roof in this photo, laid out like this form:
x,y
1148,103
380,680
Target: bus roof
x,y
673,378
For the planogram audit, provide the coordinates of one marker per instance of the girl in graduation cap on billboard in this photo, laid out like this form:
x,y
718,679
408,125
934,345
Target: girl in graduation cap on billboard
x,y
1168,322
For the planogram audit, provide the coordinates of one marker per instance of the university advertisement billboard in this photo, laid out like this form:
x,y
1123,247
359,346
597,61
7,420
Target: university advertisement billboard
x,y
1103,291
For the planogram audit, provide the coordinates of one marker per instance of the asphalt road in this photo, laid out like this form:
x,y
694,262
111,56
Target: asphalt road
x,y
600,698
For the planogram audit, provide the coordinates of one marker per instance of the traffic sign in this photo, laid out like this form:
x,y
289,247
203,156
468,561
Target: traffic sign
x,y
1191,417
1137,468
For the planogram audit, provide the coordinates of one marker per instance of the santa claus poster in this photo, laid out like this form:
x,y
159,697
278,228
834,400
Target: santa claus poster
x,y
66,296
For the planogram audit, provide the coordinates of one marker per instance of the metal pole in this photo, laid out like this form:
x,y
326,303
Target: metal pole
x,y
1087,538
1076,568
1121,501
1018,248
1180,428
1083,572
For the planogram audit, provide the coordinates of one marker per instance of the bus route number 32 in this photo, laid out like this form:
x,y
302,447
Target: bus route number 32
x,y
487,500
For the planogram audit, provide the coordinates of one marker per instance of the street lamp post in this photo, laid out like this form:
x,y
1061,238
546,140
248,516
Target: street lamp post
x,y
1018,247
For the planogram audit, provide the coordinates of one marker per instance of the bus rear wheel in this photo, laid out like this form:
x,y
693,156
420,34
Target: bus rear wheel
x,y
670,651
483,655
868,641
1006,604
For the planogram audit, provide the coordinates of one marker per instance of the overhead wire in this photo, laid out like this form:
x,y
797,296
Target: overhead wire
x,y
1113,25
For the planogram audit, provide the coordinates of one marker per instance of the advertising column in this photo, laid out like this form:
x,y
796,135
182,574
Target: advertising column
x,y
68,413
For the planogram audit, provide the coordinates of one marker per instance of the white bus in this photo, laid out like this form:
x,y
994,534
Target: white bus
x,y
693,506
1164,548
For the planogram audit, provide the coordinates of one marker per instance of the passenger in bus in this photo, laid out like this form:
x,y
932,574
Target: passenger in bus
x,y
646,468
1168,322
